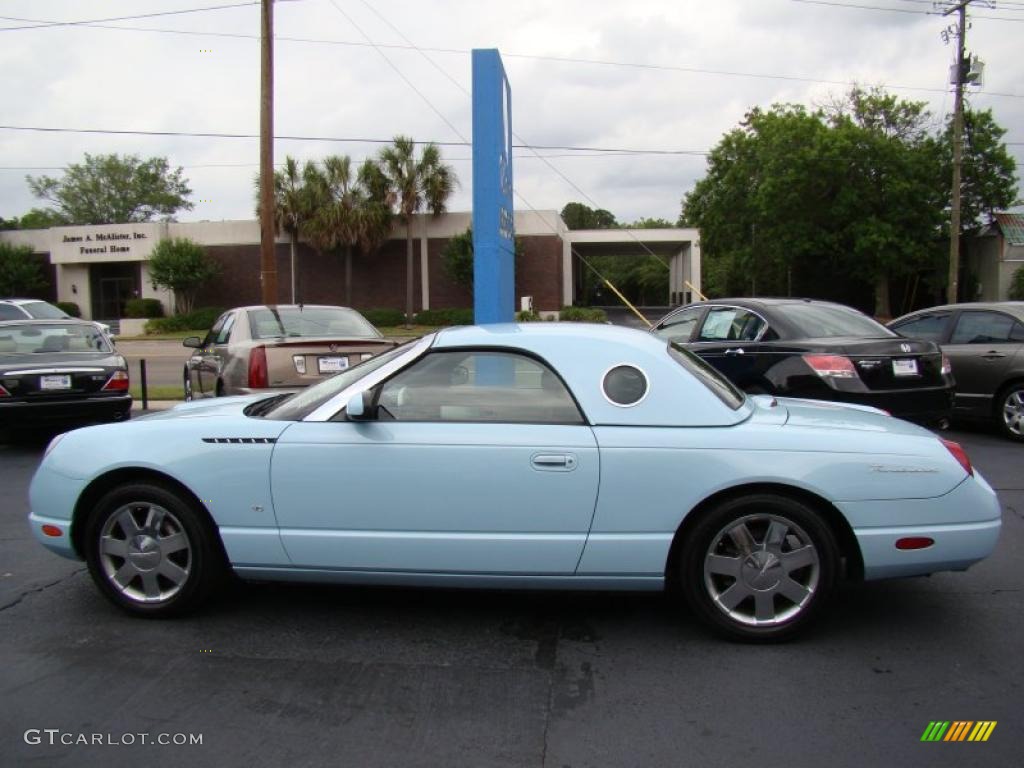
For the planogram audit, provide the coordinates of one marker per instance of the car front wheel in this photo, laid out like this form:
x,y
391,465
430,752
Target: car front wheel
x,y
1010,411
150,552
759,567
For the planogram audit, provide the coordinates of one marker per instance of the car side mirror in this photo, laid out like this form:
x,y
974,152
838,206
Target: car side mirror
x,y
192,341
360,407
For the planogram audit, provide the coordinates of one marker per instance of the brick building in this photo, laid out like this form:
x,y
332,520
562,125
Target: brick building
x,y
100,267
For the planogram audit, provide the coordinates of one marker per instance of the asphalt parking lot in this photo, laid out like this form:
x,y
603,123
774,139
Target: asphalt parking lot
x,y
291,675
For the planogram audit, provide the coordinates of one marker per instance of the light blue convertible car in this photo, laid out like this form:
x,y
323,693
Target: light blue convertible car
x,y
547,455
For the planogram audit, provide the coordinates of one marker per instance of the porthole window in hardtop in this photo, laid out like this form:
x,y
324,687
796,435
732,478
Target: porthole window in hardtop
x,y
624,385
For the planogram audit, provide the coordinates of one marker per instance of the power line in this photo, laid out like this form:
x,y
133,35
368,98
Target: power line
x,y
834,4
40,24
461,143
538,57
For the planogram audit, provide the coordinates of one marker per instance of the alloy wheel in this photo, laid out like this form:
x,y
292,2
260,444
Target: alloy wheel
x,y
761,570
1013,412
145,552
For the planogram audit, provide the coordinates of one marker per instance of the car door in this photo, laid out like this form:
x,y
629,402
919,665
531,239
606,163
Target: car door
x,y
729,339
207,361
479,462
981,347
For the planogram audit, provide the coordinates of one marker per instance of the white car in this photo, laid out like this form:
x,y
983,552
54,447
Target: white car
x,y
37,309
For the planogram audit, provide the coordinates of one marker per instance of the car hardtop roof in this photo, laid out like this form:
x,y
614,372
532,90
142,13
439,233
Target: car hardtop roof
x,y
23,301
521,334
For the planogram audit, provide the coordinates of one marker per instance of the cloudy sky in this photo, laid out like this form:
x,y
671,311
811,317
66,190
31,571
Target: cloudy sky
x,y
642,75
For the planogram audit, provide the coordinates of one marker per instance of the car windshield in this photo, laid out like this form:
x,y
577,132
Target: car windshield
x,y
724,389
816,321
51,338
300,322
305,402
40,310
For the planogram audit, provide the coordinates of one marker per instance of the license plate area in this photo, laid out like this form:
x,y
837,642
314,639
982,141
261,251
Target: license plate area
x,y
54,382
331,364
905,368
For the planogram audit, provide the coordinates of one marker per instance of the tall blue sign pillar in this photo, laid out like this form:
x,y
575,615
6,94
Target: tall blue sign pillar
x,y
493,225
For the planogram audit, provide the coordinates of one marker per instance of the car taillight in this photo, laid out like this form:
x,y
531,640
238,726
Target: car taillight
x,y
947,367
4,392
118,382
831,366
258,368
959,454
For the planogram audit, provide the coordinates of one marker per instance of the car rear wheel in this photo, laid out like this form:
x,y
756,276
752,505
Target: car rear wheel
x,y
1010,410
150,552
187,386
759,568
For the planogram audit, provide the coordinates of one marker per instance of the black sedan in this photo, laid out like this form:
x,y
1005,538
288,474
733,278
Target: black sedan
x,y
985,344
60,373
816,349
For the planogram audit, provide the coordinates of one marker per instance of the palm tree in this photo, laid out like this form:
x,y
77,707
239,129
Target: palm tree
x,y
335,197
414,184
291,205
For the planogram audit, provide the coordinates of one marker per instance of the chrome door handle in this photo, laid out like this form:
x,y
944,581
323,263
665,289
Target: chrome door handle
x,y
559,462
738,351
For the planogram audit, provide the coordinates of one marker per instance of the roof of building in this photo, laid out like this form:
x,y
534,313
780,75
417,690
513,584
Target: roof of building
x,y
1012,226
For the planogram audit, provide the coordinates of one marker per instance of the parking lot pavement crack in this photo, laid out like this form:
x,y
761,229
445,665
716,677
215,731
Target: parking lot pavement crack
x,y
1014,510
41,588
548,649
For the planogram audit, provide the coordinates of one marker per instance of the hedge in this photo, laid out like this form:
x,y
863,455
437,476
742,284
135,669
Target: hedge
x,y
384,317
527,316
198,319
445,317
138,308
70,307
583,315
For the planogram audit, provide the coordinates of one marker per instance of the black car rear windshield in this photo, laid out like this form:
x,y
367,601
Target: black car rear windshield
x,y
299,322
815,321
50,338
724,389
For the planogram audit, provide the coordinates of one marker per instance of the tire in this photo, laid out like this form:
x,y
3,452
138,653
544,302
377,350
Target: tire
x,y
187,387
220,388
1009,410
759,568
150,552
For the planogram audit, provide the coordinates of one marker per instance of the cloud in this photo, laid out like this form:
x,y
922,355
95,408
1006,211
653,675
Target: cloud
x,y
88,77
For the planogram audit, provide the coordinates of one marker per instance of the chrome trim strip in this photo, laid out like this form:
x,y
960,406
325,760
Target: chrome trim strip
x,y
35,371
328,410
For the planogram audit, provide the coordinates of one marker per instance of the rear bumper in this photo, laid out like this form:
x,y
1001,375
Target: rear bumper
x,y
78,411
928,407
964,525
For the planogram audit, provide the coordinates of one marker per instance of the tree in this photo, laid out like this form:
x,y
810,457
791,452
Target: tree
x,y
183,266
412,185
457,257
21,274
346,209
291,206
580,216
1016,292
114,189
988,174
650,223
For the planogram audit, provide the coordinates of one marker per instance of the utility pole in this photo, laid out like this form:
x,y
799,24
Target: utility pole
x,y
953,285
268,257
